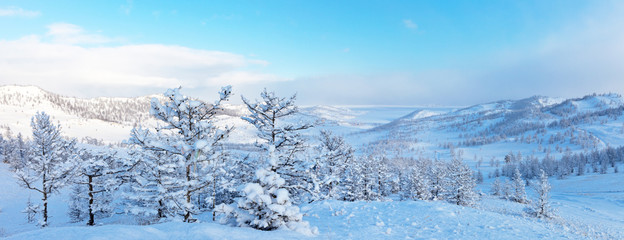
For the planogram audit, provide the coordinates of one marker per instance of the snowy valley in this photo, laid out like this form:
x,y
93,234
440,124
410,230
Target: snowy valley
x,y
331,172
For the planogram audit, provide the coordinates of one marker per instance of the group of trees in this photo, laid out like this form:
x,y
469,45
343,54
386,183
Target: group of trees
x,y
183,167
597,161
515,191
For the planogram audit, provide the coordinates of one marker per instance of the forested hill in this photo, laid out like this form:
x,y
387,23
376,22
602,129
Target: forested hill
x,y
117,110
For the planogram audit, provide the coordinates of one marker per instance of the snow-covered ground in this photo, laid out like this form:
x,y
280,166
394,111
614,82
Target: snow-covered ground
x,y
589,207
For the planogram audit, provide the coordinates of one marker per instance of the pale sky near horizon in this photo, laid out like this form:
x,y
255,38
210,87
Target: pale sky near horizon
x,y
328,52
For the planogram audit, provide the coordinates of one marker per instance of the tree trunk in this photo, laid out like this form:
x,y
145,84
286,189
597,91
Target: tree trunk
x,y
161,214
187,216
214,196
91,214
45,201
45,209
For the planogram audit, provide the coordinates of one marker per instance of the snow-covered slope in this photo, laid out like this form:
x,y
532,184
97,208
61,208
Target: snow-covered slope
x,y
529,125
108,119
111,119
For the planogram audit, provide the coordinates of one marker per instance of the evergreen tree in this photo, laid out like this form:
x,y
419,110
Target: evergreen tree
x,y
420,182
268,116
541,208
335,156
461,184
438,177
51,163
497,188
31,211
265,204
96,173
150,195
519,194
190,144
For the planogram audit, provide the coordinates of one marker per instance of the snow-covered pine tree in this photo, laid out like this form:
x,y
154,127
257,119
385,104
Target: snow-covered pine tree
x,y
31,211
420,183
367,182
265,204
334,157
77,204
497,188
51,164
519,194
16,152
461,184
479,177
96,173
541,208
268,116
438,176
507,189
149,192
191,141
353,182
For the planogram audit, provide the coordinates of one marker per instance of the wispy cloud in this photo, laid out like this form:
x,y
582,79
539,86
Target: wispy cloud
x,y
409,24
66,33
17,12
127,7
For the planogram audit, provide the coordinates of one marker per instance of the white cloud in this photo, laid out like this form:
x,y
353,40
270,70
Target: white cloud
x,y
409,24
59,63
17,12
66,33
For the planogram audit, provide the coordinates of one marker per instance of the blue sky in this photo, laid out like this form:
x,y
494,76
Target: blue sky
x,y
329,52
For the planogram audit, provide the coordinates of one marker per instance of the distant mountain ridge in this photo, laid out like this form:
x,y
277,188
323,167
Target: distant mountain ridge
x,y
576,120
537,119
117,110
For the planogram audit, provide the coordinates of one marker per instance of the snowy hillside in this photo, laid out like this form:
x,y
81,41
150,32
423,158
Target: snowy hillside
x,y
111,119
399,173
530,125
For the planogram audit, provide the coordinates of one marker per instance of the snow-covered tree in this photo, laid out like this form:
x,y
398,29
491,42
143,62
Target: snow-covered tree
x,y
31,211
77,204
189,143
519,194
150,194
420,183
16,152
96,181
497,188
51,164
461,184
438,177
268,115
265,203
541,208
334,158
479,177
